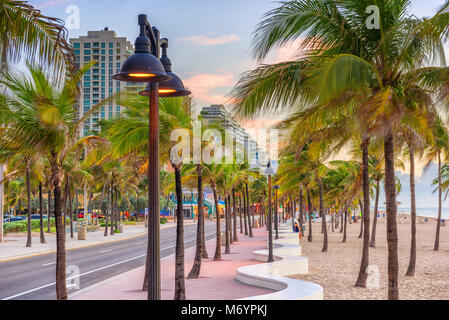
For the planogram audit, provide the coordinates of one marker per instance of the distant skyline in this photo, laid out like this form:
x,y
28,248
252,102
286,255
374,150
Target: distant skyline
x,y
210,47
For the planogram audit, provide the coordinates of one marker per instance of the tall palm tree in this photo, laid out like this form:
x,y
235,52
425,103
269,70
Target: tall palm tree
x,y
437,150
38,113
343,63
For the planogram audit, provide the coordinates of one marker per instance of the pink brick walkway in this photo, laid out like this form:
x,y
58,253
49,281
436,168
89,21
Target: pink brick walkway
x,y
217,280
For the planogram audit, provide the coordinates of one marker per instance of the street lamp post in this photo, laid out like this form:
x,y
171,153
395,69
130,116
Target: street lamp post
x,y
269,172
276,221
144,66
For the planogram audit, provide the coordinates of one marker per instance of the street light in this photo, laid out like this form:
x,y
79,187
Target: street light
x,y
276,222
170,88
144,66
269,172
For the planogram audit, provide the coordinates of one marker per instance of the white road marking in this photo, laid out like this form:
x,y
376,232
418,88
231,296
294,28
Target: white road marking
x,y
83,274
48,264
106,251
138,244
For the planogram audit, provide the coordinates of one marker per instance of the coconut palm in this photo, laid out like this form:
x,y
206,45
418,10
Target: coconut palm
x,y
40,115
26,33
344,61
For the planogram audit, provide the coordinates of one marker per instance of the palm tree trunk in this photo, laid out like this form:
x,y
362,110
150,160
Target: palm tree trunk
x,y
29,203
235,239
180,290
250,227
240,214
49,210
112,208
342,221
61,289
196,268
372,243
412,263
107,215
392,231
309,211
230,220
436,247
70,208
227,247
361,222
323,216
64,204
244,213
363,275
217,256
345,226
41,211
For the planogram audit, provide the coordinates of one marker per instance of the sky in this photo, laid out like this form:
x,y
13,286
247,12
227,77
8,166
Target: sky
x,y
209,46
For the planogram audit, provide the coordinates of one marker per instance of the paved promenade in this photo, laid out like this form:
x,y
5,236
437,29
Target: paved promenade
x,y
217,280
14,247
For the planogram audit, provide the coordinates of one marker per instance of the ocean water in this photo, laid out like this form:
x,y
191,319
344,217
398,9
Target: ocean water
x,y
423,212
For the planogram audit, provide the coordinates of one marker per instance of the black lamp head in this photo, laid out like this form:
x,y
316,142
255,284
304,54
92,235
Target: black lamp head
x,y
142,66
170,88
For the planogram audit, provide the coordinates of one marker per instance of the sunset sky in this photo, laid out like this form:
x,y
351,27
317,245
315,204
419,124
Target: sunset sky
x,y
209,42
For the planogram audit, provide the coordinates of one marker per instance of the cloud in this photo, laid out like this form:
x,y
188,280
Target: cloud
x,y
211,39
202,86
52,3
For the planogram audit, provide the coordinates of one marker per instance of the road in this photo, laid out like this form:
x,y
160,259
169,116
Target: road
x,y
33,278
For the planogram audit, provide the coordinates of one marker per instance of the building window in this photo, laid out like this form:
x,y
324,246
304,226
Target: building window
x,y
87,51
103,45
86,58
96,44
111,58
77,52
111,45
87,45
117,65
76,45
103,58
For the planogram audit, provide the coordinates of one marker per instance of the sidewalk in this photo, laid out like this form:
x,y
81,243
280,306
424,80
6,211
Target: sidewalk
x,y
216,282
14,247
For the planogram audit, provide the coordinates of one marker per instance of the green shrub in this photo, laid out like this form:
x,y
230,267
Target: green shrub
x,y
164,220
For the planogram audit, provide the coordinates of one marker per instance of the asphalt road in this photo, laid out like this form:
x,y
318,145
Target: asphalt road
x,y
33,278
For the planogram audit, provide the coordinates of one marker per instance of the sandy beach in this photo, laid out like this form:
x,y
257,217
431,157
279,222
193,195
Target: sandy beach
x,y
337,269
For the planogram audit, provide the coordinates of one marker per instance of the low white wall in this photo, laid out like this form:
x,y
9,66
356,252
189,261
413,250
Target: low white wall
x,y
288,262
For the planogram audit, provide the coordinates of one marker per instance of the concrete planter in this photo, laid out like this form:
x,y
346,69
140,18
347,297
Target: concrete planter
x,y
82,232
120,228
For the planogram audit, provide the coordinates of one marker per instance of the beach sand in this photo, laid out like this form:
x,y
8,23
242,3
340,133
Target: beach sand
x,y
337,270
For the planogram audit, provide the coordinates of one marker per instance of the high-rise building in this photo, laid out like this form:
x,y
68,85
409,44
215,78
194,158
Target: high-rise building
x,y
109,51
255,155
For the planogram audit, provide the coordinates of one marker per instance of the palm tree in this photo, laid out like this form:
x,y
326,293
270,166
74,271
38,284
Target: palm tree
x,y
439,147
40,114
26,33
343,63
